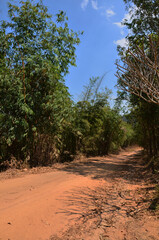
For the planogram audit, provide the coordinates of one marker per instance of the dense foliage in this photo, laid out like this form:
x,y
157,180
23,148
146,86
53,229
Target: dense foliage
x,y
94,128
39,123
100,126
35,55
143,39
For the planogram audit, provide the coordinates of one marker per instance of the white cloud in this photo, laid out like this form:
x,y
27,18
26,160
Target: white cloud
x,y
95,5
127,16
84,4
122,42
121,26
110,13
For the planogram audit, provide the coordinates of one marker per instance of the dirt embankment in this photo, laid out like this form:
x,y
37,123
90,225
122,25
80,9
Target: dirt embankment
x,y
97,198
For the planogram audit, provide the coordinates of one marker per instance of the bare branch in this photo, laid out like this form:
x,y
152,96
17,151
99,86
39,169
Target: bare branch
x,y
139,74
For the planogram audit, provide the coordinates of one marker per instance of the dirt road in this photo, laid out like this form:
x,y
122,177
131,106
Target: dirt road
x,y
97,198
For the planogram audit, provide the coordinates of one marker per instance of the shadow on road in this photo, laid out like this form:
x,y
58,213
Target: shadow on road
x,y
128,166
115,204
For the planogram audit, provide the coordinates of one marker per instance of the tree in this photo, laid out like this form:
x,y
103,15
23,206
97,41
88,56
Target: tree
x,y
90,92
144,21
139,73
99,127
35,55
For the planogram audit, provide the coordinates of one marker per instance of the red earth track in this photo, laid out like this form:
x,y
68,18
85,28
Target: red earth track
x,y
97,198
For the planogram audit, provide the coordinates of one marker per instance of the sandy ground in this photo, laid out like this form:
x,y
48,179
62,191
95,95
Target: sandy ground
x,y
101,198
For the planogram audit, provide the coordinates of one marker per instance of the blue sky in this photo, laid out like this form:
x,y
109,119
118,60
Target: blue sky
x,y
101,22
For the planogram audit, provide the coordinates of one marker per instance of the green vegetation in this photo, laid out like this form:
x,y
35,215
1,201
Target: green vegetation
x,y
39,123
138,75
138,79
35,55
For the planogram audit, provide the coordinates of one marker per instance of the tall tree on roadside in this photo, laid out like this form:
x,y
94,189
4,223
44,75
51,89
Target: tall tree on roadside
x,y
35,55
138,73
